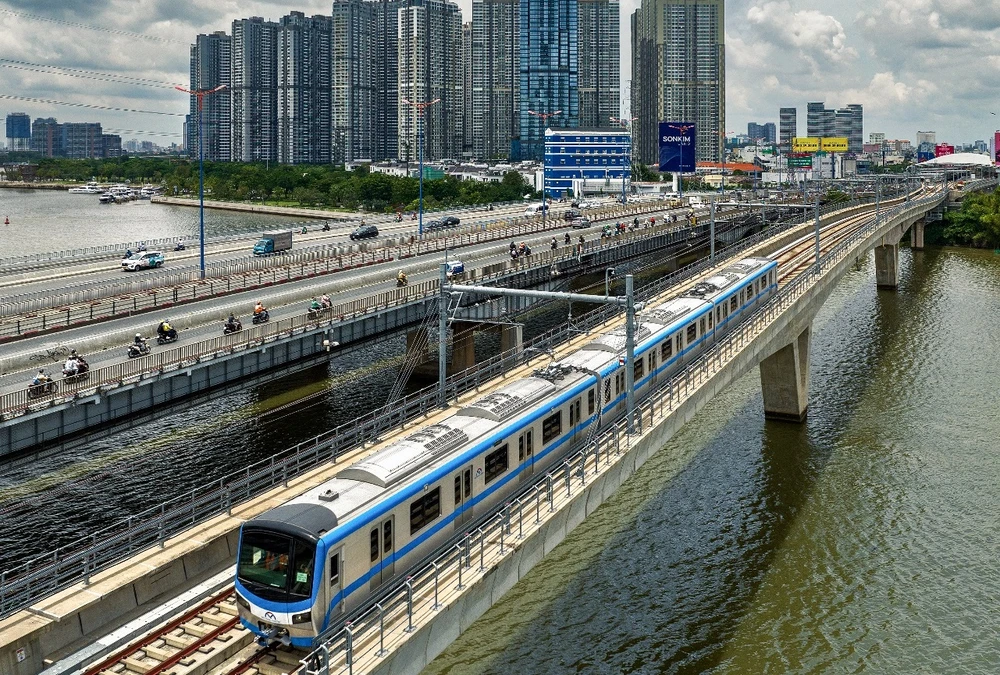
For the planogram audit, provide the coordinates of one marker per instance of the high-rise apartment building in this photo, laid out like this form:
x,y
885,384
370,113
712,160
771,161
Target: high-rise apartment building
x,y
495,77
467,89
822,122
46,137
304,89
679,73
599,64
429,68
354,68
926,137
855,130
211,61
763,133
18,131
787,128
82,140
254,90
548,72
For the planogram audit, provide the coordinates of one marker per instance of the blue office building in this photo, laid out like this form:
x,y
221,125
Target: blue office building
x,y
586,161
549,72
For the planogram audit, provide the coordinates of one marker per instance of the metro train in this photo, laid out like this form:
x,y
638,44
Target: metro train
x,y
301,567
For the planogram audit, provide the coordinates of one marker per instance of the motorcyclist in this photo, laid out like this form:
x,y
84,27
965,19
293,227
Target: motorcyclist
x,y
325,301
128,253
179,246
71,367
231,321
40,378
304,230
567,239
401,278
314,305
326,227
258,308
139,341
164,329
555,244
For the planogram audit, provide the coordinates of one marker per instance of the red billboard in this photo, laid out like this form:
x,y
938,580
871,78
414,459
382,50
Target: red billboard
x,y
942,149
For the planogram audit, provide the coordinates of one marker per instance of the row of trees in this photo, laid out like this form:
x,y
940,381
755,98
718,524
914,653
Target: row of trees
x,y
976,224
299,185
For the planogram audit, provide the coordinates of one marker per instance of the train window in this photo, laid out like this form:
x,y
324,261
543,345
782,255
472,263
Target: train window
x,y
530,443
607,389
468,483
692,333
652,360
302,580
701,325
458,489
373,541
679,344
732,305
666,350
335,570
425,510
590,402
387,536
710,317
572,415
520,449
639,369
551,427
577,406
496,464
718,314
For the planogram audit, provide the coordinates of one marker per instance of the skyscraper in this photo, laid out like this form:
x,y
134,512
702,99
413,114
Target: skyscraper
x,y
549,71
211,60
467,89
787,128
18,131
855,132
679,73
495,77
254,90
46,136
599,66
429,67
354,67
822,122
304,91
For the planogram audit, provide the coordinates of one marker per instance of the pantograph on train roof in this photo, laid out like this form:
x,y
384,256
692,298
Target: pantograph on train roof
x,y
614,341
509,400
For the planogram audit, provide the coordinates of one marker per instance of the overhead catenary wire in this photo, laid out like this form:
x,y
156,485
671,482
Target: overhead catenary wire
x,y
82,74
90,106
102,29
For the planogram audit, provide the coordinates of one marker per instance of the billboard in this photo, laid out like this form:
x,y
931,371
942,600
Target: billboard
x,y
833,144
924,155
942,149
677,146
805,144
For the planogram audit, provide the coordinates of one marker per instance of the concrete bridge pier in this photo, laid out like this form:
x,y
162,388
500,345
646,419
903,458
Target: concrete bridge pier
x,y
887,266
784,379
463,345
917,235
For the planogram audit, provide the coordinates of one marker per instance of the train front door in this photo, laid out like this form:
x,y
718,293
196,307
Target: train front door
x,y
526,455
463,497
381,542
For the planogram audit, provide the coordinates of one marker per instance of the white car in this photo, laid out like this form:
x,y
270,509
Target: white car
x,y
143,261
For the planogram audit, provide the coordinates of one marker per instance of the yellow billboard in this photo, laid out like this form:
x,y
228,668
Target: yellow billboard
x,y
833,144
805,145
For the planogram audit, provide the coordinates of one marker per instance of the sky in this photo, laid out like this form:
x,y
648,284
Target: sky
x,y
913,64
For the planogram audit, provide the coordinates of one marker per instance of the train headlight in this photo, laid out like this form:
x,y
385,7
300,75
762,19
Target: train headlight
x,y
304,617
242,603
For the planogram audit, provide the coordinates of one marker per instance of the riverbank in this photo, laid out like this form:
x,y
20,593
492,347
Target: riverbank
x,y
259,208
21,185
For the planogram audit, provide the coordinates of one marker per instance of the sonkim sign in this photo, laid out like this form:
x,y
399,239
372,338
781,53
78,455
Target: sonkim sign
x,y
677,146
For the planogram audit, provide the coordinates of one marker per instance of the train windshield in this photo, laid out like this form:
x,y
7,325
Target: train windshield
x,y
275,566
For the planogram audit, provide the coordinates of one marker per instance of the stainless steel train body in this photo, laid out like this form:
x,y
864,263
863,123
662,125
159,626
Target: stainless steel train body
x,y
303,565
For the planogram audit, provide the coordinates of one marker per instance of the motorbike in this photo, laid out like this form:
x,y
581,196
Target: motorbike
x,y
167,338
228,328
400,282
36,390
262,317
82,372
137,350
316,312
179,247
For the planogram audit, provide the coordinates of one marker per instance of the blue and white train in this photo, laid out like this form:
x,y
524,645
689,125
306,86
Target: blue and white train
x,y
303,565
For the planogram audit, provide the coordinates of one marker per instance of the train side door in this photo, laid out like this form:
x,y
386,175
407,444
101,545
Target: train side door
x,y
526,454
463,497
382,550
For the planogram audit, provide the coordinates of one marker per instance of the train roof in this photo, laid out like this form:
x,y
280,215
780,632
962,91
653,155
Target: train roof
x,y
509,400
614,341
300,519
418,450
671,311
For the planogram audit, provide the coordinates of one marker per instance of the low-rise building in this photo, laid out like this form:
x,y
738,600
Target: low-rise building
x,y
586,161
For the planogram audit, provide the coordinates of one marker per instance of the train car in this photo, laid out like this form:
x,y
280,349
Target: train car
x,y
303,566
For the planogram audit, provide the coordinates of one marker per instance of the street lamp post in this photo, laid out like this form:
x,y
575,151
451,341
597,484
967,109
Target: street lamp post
x,y
545,118
627,123
421,106
201,94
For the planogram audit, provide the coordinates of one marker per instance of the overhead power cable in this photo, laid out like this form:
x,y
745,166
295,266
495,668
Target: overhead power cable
x,y
85,74
89,106
103,29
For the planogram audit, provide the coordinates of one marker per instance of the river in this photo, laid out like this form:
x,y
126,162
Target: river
x,y
54,220
864,541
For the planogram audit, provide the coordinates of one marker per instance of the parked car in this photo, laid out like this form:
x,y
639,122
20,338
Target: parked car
x,y
364,232
143,261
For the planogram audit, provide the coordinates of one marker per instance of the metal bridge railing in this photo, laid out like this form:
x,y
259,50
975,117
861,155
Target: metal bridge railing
x,y
28,582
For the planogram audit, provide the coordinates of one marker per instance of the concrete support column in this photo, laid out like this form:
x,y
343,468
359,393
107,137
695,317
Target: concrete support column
x,y
917,234
784,379
463,346
887,266
511,337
